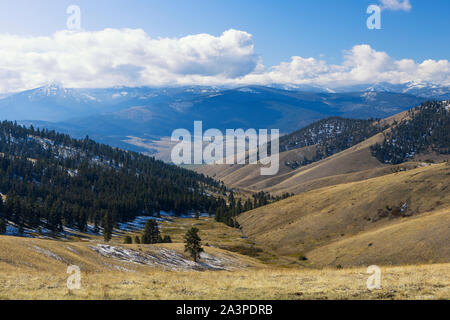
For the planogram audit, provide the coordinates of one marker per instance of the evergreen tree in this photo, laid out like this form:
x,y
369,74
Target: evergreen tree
x,y
193,244
151,233
2,226
107,227
127,240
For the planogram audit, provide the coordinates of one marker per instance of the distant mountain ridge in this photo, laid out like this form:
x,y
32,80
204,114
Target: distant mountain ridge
x,y
55,103
417,88
335,147
112,115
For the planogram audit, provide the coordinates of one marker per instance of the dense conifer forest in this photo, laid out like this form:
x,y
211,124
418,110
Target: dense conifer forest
x,y
50,180
331,135
334,134
426,130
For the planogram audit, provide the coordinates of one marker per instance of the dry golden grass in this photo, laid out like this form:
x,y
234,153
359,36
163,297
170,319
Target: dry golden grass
x,y
219,235
211,232
316,218
28,273
425,238
52,256
413,282
247,176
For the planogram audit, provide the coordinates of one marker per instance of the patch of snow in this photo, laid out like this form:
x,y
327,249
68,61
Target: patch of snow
x,y
49,254
72,250
162,257
120,268
138,223
247,90
183,215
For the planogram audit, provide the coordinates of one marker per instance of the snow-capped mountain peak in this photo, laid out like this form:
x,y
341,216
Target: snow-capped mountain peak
x,y
53,89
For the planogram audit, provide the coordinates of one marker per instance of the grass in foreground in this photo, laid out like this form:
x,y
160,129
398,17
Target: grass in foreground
x,y
412,282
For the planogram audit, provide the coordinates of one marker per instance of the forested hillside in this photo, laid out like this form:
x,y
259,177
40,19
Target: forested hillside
x,y
426,130
50,180
331,135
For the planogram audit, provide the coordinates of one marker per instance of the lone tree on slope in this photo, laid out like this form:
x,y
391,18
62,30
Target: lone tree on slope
x,y
193,244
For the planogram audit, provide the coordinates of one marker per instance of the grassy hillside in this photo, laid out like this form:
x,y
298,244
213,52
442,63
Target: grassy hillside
x,y
37,269
355,159
331,145
41,255
410,241
246,176
313,219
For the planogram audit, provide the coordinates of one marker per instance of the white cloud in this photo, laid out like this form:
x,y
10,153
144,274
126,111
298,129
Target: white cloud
x,y
396,5
362,64
122,57
130,57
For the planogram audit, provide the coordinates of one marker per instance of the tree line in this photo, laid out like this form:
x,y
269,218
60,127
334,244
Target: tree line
x,y
229,210
426,129
330,136
51,180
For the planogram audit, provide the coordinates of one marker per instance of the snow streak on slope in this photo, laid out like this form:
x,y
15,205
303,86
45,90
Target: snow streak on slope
x,y
165,258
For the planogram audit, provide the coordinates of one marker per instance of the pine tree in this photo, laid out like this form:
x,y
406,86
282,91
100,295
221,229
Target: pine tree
x,y
193,244
107,227
151,233
2,226
127,240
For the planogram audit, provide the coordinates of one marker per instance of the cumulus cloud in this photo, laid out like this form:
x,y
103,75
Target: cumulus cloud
x,y
396,5
129,57
123,57
362,64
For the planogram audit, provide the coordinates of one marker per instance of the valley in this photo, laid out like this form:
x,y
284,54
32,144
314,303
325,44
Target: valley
x,y
350,193
232,151
339,214
148,114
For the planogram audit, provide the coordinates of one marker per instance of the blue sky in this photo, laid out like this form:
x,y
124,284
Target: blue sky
x,y
280,30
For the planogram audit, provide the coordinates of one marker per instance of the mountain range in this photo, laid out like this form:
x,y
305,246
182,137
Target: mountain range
x,y
350,192
113,115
